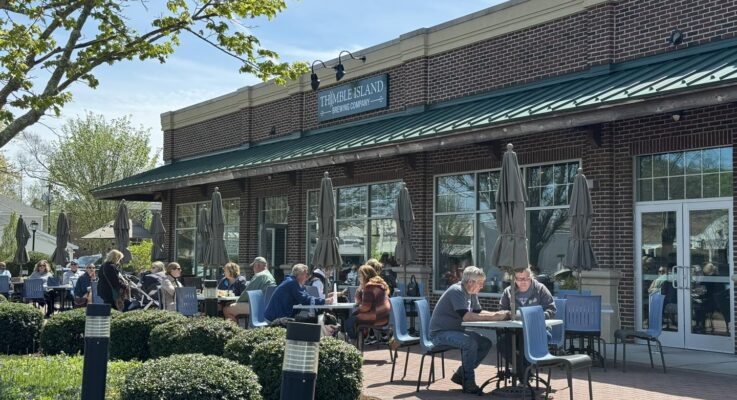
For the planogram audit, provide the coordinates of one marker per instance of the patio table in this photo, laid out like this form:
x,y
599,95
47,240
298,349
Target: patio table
x,y
222,299
62,289
504,370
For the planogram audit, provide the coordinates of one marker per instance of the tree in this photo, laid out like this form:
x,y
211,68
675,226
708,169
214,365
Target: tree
x,y
47,45
91,152
9,178
7,243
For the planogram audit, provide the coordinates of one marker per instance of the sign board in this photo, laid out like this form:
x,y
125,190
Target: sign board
x,y
353,98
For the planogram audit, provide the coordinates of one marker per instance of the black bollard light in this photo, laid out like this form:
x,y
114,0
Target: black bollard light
x,y
299,370
96,343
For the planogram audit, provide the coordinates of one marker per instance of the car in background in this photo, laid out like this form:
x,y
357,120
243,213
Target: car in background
x,y
94,259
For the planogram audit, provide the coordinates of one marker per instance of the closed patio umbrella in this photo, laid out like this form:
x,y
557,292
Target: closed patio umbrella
x,y
122,231
405,218
579,255
21,239
327,254
510,250
215,254
158,236
60,256
203,235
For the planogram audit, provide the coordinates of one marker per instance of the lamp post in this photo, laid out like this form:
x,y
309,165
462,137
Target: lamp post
x,y
34,226
299,370
96,343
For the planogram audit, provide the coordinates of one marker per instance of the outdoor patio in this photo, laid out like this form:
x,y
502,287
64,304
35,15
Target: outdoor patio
x,y
691,375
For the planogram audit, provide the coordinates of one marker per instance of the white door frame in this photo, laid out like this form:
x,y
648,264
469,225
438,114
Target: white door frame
x,y
684,338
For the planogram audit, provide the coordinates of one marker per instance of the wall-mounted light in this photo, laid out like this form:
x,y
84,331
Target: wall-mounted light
x,y
677,116
675,38
340,69
314,80
273,130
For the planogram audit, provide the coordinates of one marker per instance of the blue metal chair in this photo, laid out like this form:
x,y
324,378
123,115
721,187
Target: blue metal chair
x,y
312,291
558,332
185,299
652,334
583,321
537,354
267,295
428,347
53,281
33,290
398,320
5,285
257,300
562,293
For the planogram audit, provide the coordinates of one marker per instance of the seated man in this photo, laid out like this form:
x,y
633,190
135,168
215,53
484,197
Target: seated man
x,y
460,303
529,292
262,279
290,293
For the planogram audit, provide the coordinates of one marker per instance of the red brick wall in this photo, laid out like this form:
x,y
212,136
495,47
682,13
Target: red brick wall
x,y
213,135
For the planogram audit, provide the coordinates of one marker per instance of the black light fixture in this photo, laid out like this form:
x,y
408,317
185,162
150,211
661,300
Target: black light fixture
x,y
676,37
339,69
314,80
34,226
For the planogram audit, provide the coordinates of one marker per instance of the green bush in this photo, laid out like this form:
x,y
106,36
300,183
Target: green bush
x,y
194,335
339,371
64,333
140,257
339,374
55,377
129,332
240,347
191,377
266,361
2,298
21,324
33,258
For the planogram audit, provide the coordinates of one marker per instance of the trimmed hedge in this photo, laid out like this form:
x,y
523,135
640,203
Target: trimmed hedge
x,y
130,331
64,333
240,347
54,377
206,335
191,377
2,298
21,325
266,361
339,374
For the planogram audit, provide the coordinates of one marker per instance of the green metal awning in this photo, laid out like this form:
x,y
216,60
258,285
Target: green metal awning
x,y
666,75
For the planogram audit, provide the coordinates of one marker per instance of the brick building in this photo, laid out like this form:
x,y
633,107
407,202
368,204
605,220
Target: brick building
x,y
640,94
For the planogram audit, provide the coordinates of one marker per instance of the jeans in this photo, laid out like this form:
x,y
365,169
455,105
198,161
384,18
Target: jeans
x,y
473,346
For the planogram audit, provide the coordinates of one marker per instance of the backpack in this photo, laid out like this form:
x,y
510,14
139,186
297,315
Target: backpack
x,y
413,289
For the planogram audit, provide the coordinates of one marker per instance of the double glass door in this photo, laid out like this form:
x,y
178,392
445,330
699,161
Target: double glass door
x,y
685,253
274,244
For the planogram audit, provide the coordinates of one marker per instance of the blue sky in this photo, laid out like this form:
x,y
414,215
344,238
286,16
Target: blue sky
x,y
306,30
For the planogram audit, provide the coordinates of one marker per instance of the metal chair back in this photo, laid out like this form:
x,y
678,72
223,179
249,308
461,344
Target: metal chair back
x,y
558,332
312,291
423,311
95,298
583,313
192,281
53,281
4,285
186,301
398,320
562,293
267,295
533,330
257,301
655,315
33,289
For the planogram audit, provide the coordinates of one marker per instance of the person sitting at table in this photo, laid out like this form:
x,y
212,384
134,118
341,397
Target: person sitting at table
x,y
290,293
320,280
460,303
169,285
84,285
43,271
232,280
70,277
4,271
261,280
372,298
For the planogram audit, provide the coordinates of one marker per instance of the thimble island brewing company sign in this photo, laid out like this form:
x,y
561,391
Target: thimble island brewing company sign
x,y
353,98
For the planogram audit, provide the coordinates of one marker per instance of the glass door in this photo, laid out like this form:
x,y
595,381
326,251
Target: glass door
x,y
274,244
685,253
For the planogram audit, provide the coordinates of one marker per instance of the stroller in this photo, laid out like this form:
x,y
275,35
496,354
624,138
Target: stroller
x,y
139,298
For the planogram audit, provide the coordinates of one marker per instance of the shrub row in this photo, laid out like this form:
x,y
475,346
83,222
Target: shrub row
x,y
195,335
21,326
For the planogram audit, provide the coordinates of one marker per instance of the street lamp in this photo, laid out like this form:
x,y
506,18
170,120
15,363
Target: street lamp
x,y
96,344
34,226
299,370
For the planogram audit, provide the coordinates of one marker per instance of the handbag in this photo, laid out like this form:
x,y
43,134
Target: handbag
x,y
413,289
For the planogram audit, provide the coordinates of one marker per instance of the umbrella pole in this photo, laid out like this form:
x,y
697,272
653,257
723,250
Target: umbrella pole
x,y
513,307
579,282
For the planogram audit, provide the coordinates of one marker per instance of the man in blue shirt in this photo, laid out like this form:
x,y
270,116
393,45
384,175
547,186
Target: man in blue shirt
x,y
290,293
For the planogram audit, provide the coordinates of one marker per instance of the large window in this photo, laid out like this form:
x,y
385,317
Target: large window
x,y
185,236
273,229
364,223
465,222
693,174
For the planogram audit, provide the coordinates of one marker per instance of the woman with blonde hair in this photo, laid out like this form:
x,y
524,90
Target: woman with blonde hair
x,y
233,280
169,285
372,298
43,271
111,284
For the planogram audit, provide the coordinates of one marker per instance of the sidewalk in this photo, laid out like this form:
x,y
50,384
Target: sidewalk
x,y
691,375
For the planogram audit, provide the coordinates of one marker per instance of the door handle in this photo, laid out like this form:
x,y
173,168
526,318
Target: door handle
x,y
674,271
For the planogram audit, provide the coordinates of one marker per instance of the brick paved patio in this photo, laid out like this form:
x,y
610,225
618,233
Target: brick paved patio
x,y
638,383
